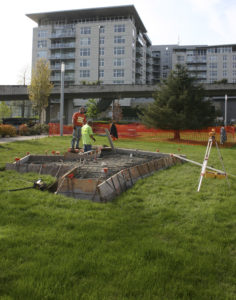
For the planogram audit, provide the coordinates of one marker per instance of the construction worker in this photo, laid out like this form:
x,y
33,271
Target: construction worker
x,y
87,136
113,131
78,120
223,135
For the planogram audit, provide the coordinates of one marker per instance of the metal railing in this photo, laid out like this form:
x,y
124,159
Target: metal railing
x,y
62,45
62,34
62,56
58,67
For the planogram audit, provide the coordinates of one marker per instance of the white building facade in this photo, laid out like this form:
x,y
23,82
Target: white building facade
x,y
208,63
109,45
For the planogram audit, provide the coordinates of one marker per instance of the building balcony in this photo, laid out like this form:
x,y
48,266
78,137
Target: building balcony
x,y
58,78
196,60
156,63
149,52
57,67
139,71
155,70
63,34
139,62
62,56
139,52
62,46
149,70
197,69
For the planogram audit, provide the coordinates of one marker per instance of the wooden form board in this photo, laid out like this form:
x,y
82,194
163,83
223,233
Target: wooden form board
x,y
80,188
56,170
121,181
83,185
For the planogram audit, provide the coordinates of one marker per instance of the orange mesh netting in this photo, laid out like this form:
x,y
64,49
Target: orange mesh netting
x,y
139,131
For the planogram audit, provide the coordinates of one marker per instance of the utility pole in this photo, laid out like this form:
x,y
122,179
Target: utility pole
x,y
226,100
62,98
99,28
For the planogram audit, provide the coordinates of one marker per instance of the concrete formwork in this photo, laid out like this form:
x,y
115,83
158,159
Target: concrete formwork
x,y
99,175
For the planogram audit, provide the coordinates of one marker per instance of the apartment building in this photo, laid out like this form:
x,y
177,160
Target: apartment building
x,y
208,63
108,44
161,61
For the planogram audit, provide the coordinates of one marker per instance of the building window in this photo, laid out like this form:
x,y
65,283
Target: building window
x,y
234,73
234,65
180,58
133,32
213,58
118,62
234,57
224,74
119,39
102,29
84,63
119,50
42,44
224,65
101,73
42,34
85,41
213,65
42,54
102,40
119,28
118,81
101,51
84,73
101,62
118,73
213,73
85,52
85,30
224,57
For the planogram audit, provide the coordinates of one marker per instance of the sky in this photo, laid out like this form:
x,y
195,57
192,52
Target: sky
x,y
183,22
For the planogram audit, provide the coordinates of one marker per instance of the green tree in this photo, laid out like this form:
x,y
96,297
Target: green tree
x,y
40,88
92,110
179,104
5,110
222,81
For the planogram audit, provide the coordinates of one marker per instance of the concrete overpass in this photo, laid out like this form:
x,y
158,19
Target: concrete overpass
x,y
19,92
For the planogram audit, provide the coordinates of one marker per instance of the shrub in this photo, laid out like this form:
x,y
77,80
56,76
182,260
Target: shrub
x,y
39,129
7,130
24,130
44,128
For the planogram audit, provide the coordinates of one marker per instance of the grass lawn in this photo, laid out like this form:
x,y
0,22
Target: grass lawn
x,y
159,240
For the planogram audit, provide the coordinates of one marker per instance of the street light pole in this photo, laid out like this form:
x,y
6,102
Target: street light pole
x,y
226,100
62,98
98,52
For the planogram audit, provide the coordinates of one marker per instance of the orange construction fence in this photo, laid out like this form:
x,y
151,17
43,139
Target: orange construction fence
x,y
139,131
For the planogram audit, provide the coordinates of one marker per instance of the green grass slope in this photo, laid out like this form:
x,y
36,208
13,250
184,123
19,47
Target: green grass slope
x,y
159,240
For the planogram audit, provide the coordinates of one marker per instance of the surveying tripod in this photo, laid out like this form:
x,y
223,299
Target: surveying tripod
x,y
211,139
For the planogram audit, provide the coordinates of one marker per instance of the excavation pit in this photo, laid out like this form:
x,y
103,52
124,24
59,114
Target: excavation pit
x,y
99,175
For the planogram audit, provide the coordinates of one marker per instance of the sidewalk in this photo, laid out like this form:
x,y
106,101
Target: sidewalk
x,y
21,138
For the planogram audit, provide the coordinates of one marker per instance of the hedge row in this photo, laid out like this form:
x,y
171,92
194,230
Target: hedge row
x,y
33,130
7,130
